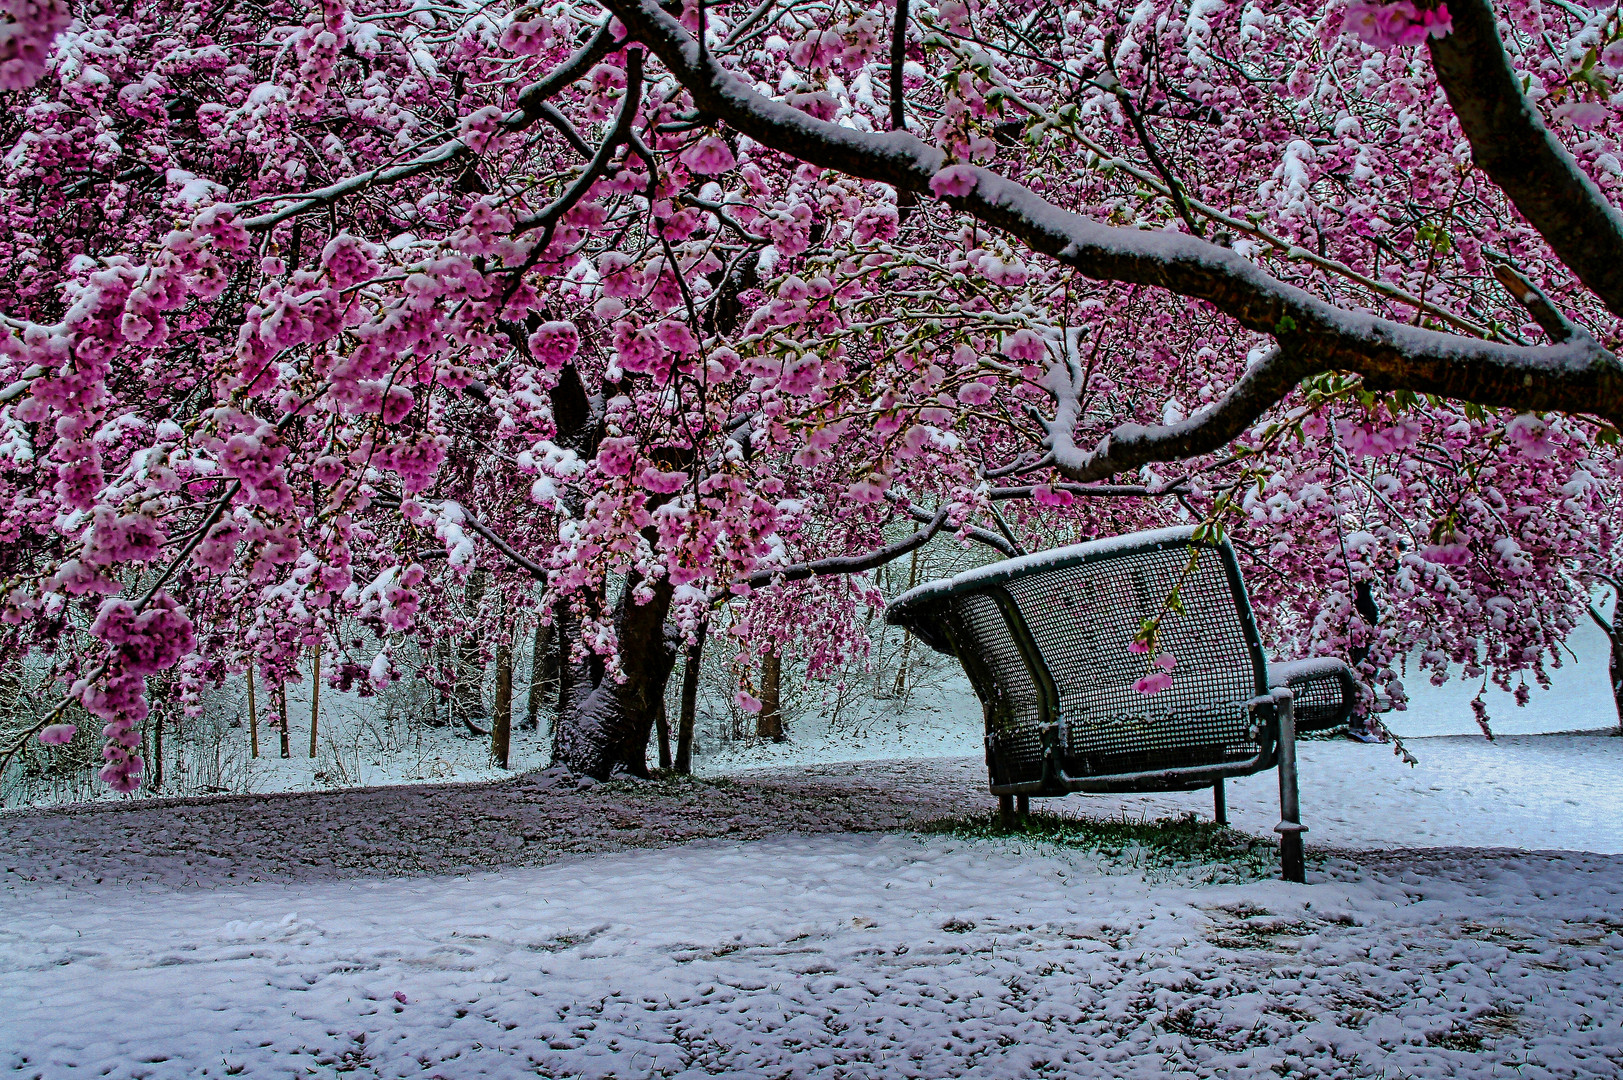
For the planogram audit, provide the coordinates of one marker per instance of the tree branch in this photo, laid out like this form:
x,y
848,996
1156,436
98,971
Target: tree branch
x,y
531,102
1510,143
851,564
1538,305
1577,376
979,535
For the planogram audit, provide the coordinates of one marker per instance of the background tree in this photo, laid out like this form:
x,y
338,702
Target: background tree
x,y
344,312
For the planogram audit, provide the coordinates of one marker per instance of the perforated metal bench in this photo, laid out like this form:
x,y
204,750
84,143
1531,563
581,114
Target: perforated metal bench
x,y
1044,639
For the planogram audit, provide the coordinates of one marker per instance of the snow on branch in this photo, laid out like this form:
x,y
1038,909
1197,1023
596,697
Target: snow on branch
x,y
852,564
1577,376
1510,143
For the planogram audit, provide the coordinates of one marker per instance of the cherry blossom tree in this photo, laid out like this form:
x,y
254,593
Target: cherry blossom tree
x,y
314,310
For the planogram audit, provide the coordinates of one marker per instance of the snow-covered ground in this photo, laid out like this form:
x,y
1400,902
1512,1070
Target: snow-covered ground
x,y
768,926
848,956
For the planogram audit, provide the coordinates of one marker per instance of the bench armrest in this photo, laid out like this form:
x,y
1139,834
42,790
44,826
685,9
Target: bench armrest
x,y
1324,687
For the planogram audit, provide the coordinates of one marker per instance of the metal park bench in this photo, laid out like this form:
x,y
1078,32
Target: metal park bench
x,y
1044,639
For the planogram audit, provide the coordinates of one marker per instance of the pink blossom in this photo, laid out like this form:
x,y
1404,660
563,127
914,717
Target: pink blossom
x,y
1531,435
1153,683
57,734
747,702
1584,114
1026,346
1399,22
27,38
527,38
976,393
1455,553
709,156
954,182
1166,661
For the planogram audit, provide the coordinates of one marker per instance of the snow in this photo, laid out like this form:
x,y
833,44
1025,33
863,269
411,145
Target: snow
x,y
1008,569
803,918
851,955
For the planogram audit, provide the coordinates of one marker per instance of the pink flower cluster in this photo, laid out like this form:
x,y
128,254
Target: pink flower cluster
x,y
26,39
1400,22
148,641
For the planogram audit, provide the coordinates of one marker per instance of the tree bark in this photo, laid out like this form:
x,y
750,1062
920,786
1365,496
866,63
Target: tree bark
x,y
253,716
501,722
543,672
769,721
662,723
315,699
605,726
281,712
691,667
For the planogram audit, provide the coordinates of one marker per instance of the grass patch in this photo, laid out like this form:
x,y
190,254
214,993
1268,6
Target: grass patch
x,y
1180,843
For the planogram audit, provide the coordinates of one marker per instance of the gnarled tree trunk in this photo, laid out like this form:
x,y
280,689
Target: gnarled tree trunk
x,y
605,723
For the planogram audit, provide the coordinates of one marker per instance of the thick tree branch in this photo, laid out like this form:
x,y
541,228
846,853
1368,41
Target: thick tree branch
x,y
1511,144
898,59
1577,376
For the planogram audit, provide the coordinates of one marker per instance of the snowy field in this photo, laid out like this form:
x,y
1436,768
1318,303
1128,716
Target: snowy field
x,y
787,923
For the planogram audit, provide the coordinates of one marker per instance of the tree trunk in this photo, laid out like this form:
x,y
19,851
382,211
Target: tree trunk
x,y
769,722
690,702
662,724
467,670
1617,669
501,721
315,699
157,751
606,722
253,716
281,712
543,672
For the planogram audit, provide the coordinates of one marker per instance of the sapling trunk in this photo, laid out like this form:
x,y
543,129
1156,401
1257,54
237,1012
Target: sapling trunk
x,y
315,699
501,722
253,717
281,713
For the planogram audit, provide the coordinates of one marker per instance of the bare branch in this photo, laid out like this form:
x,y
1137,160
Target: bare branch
x,y
851,564
1538,305
979,535
1510,143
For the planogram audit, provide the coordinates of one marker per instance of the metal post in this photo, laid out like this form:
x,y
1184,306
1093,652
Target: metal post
x,y
1290,827
1220,803
1005,811
1022,807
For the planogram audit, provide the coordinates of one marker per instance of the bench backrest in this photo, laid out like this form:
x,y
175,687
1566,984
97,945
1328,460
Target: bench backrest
x,y
1045,640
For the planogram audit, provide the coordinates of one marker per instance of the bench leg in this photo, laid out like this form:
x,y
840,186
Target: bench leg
x,y
1022,807
1220,804
1005,811
1290,828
